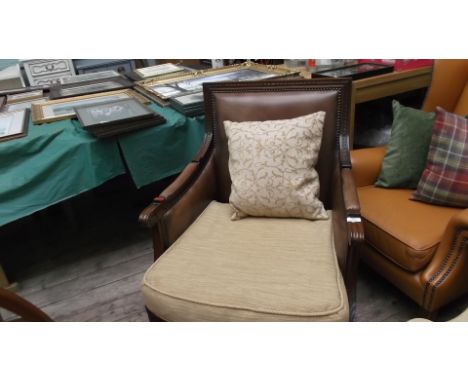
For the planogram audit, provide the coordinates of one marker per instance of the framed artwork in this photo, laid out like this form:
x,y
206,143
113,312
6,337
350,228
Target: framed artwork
x,y
193,82
13,124
89,77
153,97
158,70
125,110
355,72
27,96
188,104
74,90
190,99
47,72
59,109
24,105
117,117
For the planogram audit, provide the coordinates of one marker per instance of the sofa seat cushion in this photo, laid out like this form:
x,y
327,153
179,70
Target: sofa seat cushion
x,y
254,269
405,231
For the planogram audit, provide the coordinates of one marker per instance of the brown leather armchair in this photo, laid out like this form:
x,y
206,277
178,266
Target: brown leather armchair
x,y
420,248
241,285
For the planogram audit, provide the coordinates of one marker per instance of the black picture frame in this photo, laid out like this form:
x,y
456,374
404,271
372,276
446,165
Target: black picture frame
x,y
355,72
103,125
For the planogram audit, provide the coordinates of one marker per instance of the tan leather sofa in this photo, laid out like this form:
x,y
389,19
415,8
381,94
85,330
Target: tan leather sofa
x,y
420,248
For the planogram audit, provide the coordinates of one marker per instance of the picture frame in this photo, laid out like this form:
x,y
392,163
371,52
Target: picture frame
x,y
24,105
355,72
55,110
188,104
158,70
27,96
117,117
125,110
47,72
193,82
13,124
89,77
90,87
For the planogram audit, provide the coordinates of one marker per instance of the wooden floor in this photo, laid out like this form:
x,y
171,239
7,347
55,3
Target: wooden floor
x,y
85,261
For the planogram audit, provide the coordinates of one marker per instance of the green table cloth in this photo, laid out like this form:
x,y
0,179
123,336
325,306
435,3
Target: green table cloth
x,y
59,160
153,154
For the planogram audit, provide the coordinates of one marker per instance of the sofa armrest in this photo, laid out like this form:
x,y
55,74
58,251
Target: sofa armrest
x,y
366,164
445,278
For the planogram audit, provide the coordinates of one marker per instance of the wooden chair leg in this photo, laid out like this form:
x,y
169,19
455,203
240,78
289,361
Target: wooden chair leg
x,y
351,281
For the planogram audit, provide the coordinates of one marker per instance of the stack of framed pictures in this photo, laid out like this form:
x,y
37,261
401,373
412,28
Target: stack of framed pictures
x,y
163,91
55,110
117,117
13,124
189,104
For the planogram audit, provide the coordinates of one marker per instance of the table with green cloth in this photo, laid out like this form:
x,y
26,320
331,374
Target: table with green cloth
x,y
59,160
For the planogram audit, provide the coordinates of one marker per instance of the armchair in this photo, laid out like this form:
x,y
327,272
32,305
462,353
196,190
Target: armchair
x,y
209,268
420,248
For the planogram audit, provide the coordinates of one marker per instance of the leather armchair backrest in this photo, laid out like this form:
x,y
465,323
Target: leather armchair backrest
x,y
270,100
448,86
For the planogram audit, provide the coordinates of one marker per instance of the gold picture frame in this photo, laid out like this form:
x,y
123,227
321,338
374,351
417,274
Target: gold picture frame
x,y
60,109
187,83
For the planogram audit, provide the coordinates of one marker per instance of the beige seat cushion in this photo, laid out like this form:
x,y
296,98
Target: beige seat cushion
x,y
254,269
405,231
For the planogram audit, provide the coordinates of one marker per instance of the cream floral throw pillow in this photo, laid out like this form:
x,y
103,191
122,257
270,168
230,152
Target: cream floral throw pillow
x,y
272,167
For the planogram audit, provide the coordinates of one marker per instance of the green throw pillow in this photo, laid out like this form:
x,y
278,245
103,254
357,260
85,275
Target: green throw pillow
x,y
407,150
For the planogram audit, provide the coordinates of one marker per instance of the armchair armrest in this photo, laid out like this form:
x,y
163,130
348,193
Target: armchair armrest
x,y
149,215
366,164
169,217
348,229
445,278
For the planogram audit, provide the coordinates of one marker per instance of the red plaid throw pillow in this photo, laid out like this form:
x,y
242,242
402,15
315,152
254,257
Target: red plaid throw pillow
x,y
445,177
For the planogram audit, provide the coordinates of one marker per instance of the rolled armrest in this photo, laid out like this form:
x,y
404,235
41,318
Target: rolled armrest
x,y
366,164
445,278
